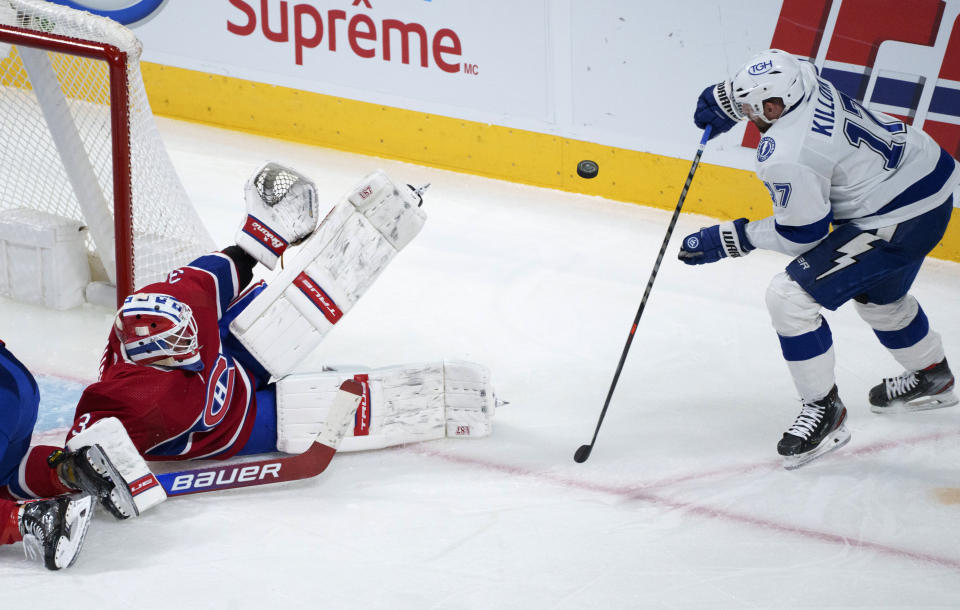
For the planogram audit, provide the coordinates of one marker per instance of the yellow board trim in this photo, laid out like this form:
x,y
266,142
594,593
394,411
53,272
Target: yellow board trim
x,y
464,146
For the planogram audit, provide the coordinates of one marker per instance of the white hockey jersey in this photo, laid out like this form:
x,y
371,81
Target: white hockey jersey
x,y
830,160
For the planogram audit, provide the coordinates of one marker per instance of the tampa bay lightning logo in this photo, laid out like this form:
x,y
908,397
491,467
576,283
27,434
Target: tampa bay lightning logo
x,y
127,12
693,242
765,148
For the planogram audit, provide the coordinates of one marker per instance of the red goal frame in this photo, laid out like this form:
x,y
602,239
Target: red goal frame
x,y
120,134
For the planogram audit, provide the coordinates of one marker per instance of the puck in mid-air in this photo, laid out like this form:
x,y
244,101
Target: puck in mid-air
x,y
588,169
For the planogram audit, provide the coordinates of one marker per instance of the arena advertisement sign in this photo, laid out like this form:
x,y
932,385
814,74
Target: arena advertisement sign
x,y
127,12
417,54
902,58
625,76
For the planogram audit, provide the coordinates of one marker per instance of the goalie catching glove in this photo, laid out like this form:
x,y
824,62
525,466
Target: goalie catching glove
x,y
282,210
713,243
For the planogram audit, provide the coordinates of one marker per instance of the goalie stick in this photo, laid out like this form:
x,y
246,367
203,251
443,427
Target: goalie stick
x,y
583,452
276,470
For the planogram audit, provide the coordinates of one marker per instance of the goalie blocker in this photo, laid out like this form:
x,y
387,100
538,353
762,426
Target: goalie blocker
x,y
400,404
329,273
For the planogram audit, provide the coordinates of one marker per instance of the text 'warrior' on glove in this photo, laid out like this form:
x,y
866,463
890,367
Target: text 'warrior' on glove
x,y
715,108
713,243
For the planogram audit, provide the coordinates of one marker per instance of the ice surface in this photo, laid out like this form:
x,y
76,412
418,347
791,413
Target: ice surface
x,y
683,503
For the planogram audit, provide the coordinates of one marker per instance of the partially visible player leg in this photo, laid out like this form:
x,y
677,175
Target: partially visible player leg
x,y
927,383
807,346
10,522
54,529
901,325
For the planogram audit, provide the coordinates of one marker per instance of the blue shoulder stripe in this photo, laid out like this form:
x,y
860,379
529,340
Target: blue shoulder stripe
x,y
806,234
221,267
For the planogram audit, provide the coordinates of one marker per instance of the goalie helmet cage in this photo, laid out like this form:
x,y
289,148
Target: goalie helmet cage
x,y
78,141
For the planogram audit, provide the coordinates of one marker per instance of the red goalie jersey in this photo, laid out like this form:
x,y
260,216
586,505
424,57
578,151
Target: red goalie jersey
x,y
178,414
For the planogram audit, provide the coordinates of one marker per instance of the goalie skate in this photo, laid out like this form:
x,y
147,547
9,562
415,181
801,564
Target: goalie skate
x,y
929,388
818,430
90,470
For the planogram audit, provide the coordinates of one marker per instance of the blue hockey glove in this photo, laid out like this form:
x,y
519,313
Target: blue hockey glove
x,y
713,243
719,115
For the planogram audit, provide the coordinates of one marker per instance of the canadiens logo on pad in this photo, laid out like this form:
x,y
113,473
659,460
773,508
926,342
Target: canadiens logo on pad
x,y
765,148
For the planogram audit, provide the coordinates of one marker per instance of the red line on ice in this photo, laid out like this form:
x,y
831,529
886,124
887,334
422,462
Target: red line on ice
x,y
644,493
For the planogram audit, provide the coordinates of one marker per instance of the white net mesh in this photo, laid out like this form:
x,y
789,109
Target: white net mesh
x,y
56,149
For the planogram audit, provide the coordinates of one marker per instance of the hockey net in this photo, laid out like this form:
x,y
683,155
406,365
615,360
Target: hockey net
x,y
78,141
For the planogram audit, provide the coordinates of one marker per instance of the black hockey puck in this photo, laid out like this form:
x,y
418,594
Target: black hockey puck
x,y
588,169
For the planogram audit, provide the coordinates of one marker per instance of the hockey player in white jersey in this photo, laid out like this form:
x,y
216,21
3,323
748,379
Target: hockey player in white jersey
x,y
884,186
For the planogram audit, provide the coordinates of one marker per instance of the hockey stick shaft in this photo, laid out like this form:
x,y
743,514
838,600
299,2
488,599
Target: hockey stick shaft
x,y
274,470
583,452
245,474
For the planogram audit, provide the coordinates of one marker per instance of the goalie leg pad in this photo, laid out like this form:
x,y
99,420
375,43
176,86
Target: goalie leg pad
x,y
335,266
400,404
113,439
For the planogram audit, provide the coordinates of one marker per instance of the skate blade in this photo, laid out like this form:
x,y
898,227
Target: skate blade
x,y
32,548
77,520
923,403
120,496
838,438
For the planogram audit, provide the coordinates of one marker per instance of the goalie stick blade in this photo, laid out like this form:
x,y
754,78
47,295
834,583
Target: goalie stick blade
x,y
280,469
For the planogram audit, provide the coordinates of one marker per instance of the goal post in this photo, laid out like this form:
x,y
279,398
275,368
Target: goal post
x,y
78,143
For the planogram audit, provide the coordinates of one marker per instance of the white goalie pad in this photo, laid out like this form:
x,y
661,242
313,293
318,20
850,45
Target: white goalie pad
x,y
112,437
400,404
330,272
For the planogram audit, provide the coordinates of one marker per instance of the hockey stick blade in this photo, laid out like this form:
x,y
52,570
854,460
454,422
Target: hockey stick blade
x,y
583,453
276,470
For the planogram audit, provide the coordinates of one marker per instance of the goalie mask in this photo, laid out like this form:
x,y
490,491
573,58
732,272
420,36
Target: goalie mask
x,y
160,330
770,74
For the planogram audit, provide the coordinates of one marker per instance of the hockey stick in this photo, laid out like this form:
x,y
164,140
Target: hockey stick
x,y
276,470
583,452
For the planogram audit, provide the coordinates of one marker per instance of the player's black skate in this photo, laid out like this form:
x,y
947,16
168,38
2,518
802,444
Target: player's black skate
x,y
90,470
817,431
53,529
929,388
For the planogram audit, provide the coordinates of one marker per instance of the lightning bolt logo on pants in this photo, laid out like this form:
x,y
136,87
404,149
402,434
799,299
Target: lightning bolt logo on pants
x,y
850,250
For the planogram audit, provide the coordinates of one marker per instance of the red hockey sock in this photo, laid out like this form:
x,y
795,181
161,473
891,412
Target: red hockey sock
x,y
39,477
9,528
